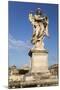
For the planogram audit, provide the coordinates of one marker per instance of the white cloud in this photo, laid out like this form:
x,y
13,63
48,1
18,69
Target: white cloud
x,y
13,43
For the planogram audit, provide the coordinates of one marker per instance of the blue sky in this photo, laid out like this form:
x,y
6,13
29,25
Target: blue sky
x,y
20,32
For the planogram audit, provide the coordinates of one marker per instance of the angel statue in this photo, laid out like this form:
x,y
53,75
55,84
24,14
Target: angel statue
x,y
40,28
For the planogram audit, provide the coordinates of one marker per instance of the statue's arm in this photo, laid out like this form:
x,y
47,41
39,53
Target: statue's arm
x,y
31,18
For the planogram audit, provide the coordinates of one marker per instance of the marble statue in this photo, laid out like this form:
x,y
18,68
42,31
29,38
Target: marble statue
x,y
40,28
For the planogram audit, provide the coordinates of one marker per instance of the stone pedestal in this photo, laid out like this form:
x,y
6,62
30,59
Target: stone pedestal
x,y
39,61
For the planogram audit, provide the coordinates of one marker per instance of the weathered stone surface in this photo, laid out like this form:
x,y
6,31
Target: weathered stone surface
x,y
39,61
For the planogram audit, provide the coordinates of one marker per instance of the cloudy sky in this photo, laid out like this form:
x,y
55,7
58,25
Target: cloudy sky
x,y
20,32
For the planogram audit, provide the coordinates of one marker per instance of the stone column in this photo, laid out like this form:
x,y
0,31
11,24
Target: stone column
x,y
39,61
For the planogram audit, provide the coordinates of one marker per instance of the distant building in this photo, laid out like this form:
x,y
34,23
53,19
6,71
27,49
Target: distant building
x,y
54,69
13,70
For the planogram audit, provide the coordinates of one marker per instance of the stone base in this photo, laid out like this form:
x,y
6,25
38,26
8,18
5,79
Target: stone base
x,y
39,61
